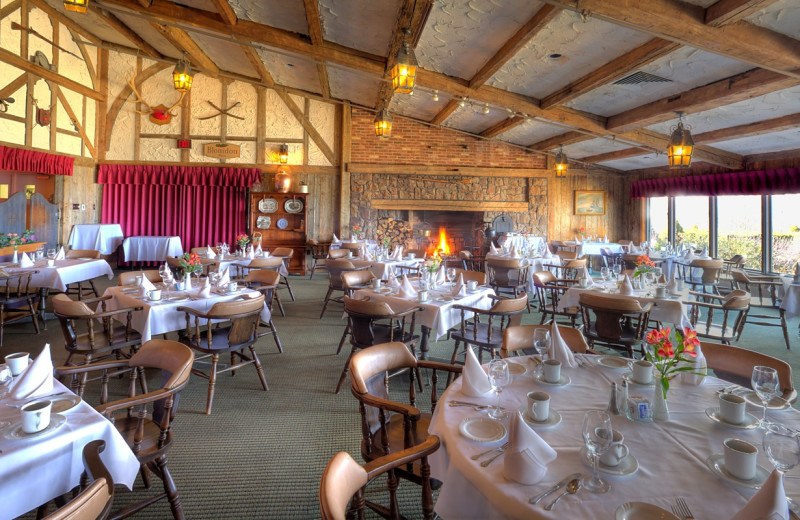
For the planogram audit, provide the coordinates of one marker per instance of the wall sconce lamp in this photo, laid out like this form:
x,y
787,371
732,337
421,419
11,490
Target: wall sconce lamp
x,y
78,6
283,155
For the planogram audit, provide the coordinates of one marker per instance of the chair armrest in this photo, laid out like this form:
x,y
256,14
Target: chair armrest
x,y
98,299
118,311
100,365
472,309
706,295
436,365
394,406
704,305
400,458
107,409
193,312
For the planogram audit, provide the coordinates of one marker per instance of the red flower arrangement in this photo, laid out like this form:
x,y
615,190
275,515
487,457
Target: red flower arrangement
x,y
666,351
191,263
242,239
644,265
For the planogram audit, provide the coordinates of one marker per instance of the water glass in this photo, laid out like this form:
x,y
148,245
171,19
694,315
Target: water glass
x,y
541,341
499,377
617,269
451,274
605,274
765,385
598,436
51,254
782,446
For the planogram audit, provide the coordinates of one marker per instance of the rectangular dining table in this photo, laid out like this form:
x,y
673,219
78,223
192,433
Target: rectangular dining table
x,y
151,248
670,458
105,238
383,268
35,469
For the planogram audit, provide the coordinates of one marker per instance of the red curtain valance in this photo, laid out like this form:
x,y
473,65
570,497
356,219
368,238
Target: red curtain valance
x,y
19,160
761,182
178,175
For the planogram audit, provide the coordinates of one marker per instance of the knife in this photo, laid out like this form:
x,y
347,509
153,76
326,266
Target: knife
x,y
564,481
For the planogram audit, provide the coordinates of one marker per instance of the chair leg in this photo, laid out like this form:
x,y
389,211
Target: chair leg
x,y
277,299
286,281
94,289
170,489
785,330
259,369
324,305
275,334
345,370
212,382
313,268
344,336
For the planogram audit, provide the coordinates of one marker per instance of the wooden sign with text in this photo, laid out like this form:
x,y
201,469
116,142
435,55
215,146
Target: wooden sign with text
x,y
221,150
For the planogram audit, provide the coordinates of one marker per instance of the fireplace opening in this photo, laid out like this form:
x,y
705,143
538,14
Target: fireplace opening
x,y
457,230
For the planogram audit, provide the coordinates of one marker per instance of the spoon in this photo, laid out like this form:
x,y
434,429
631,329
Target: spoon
x,y
573,487
478,407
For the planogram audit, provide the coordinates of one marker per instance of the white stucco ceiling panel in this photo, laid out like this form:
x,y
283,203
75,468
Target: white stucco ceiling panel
x,y
470,119
782,16
593,147
289,15
419,106
150,34
687,68
291,70
786,140
583,45
323,118
365,25
356,88
73,67
87,21
650,160
530,132
461,35
225,55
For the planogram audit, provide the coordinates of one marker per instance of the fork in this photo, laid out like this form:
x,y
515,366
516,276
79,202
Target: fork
x,y
501,449
681,508
479,455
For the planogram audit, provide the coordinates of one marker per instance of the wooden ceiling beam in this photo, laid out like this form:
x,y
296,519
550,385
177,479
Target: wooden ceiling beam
x,y
10,8
444,113
561,140
747,85
181,40
728,11
225,11
656,141
685,23
503,126
14,86
769,126
61,18
627,153
258,65
15,61
128,33
315,32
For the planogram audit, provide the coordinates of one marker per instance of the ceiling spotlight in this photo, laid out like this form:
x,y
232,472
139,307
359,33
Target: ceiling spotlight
x,y
485,110
435,96
463,102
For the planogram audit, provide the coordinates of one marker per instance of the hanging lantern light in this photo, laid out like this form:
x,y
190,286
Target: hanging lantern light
x,y
282,181
404,72
283,155
182,75
561,163
681,146
383,123
78,6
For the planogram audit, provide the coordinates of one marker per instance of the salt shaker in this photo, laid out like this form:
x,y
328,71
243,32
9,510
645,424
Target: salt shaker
x,y
622,396
613,409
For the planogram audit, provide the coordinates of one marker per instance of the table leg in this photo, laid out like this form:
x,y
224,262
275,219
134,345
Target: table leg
x,y
423,342
43,292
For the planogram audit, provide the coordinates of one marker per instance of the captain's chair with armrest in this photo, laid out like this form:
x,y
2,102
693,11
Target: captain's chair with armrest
x,y
507,276
616,322
518,340
271,264
266,282
763,295
723,317
549,291
335,283
483,328
78,288
95,499
285,254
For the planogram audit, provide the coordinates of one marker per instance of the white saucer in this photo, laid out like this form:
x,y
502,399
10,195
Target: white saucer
x,y
177,298
553,419
564,381
150,300
627,466
642,511
776,403
631,380
516,369
716,463
614,362
448,299
14,432
383,290
64,403
482,429
750,421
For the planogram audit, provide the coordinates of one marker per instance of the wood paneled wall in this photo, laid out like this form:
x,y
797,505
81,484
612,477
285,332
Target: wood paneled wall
x,y
80,188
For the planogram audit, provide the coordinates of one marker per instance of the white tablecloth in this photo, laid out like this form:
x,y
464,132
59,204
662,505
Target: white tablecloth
x,y
368,243
593,248
671,455
521,242
791,300
162,317
534,266
383,269
229,260
105,238
36,470
66,272
151,249
665,310
439,316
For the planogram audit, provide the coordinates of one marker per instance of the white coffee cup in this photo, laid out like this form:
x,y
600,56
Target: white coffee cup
x,y
180,286
472,285
412,256
233,287
423,296
732,408
616,452
376,283
740,458
552,370
17,362
51,262
349,254
661,291
642,372
154,295
538,406
36,415
679,284
583,282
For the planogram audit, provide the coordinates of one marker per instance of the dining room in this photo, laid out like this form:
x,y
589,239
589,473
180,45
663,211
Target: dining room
x,y
172,174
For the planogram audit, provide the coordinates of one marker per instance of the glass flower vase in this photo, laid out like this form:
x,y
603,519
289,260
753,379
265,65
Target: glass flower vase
x,y
15,260
660,405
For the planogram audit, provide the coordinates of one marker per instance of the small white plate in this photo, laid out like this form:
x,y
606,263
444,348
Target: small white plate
x,y
564,381
750,421
627,466
64,403
614,362
482,429
631,380
642,511
716,463
776,403
449,299
14,432
383,290
177,298
516,369
553,419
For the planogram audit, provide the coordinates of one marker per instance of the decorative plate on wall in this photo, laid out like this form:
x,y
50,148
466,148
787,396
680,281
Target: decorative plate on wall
x,y
283,223
293,206
263,222
268,205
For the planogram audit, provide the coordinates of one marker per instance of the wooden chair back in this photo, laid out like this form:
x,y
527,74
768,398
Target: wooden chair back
x,y
418,253
352,280
371,319
518,339
711,270
353,246
469,275
95,500
565,254
616,321
272,263
129,277
283,252
736,364
319,251
15,285
82,253
724,317
506,272
337,253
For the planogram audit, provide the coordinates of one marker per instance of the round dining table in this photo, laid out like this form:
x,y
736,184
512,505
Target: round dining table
x,y
669,459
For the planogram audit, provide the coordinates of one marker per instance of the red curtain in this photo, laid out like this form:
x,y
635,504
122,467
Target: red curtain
x,y
761,182
202,205
18,160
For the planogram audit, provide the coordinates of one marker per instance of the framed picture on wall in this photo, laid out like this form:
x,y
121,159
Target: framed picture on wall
x,y
590,202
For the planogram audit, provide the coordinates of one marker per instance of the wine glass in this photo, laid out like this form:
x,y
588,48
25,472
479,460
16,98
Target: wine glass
x,y
541,342
617,268
650,280
782,446
451,275
605,274
51,254
499,377
765,385
597,434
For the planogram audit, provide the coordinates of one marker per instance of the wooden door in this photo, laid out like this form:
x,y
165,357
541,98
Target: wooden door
x,y
13,214
44,220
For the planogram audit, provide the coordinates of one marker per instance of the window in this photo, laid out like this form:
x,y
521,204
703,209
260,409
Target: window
x,y
739,228
691,221
659,222
785,232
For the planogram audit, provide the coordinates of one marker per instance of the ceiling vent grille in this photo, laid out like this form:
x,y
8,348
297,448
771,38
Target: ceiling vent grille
x,y
641,77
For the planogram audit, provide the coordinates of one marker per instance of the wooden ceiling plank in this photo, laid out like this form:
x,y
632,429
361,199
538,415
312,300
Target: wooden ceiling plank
x,y
72,26
728,11
685,23
656,141
15,61
561,140
755,82
324,83
503,126
313,21
768,126
444,113
128,33
225,11
617,154
10,8
14,86
181,40
514,44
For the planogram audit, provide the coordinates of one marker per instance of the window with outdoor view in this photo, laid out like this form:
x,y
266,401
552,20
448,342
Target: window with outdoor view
x,y
785,232
739,228
691,221
659,222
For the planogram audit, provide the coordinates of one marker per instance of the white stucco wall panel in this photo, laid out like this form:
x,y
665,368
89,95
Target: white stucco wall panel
x,y
158,91
71,67
246,95
40,22
12,131
17,108
323,118
280,122
9,39
120,68
315,155
120,144
75,101
205,89
68,144
159,150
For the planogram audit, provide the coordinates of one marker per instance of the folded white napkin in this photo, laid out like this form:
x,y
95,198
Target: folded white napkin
x,y
224,277
662,278
61,255
513,251
627,286
672,285
635,250
585,274
547,254
605,239
769,502
559,349
37,379
700,369
406,289
576,238
210,253
527,455
395,251
250,253
475,382
689,255
335,239
393,282
146,286
259,251
441,276
460,288
25,260
205,289
492,248
266,254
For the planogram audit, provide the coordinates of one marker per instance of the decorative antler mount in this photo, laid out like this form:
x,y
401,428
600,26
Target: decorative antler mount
x,y
160,114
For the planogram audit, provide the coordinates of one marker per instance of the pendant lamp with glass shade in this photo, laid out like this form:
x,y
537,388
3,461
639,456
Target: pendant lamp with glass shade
x,y
404,71
561,163
76,6
383,122
182,75
681,145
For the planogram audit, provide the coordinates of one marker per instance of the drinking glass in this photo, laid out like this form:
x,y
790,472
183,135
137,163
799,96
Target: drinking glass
x,y
765,385
650,279
51,254
499,377
5,380
597,434
617,269
782,446
605,274
541,341
451,274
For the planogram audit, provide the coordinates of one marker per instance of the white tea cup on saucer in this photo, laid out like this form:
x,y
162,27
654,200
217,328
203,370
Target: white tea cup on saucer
x,y
17,362
376,283
412,256
661,291
616,452
51,262
583,282
732,408
233,287
538,406
552,370
36,415
154,295
642,372
740,458
423,296
472,285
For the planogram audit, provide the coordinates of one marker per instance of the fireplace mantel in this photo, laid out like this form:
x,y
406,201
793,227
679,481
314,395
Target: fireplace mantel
x,y
448,205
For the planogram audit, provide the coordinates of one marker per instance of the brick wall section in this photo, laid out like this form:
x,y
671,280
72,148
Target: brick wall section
x,y
415,143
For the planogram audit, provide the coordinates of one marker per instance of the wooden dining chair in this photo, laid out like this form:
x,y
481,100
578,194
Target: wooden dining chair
x,y
266,282
335,283
549,291
319,253
518,340
708,278
418,253
353,247
18,299
734,262
271,263
735,364
285,254
566,254
129,277
617,322
96,498
78,288
507,276
344,481
148,435
238,331
484,328
470,275
354,280
337,253
763,296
